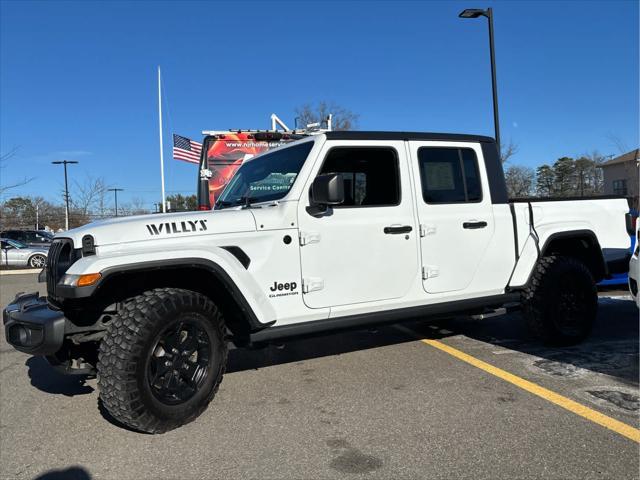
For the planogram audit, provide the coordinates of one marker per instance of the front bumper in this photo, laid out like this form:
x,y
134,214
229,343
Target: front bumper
x,y
30,326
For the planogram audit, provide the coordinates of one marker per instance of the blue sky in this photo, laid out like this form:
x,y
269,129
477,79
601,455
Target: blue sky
x,y
77,79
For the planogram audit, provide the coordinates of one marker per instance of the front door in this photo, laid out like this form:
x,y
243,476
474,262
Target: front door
x,y
366,249
454,211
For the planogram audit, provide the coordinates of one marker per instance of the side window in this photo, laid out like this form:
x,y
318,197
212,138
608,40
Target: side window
x,y
16,236
449,175
30,237
371,175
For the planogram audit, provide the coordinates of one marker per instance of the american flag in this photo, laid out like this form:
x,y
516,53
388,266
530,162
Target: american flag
x,y
185,149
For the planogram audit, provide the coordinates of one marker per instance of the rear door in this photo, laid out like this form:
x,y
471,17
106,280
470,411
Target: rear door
x,y
454,211
366,249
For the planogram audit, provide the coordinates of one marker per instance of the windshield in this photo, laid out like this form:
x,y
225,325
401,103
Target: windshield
x,y
268,177
223,156
16,244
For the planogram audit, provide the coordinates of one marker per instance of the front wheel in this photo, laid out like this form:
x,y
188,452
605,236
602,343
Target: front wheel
x,y
37,261
162,359
560,303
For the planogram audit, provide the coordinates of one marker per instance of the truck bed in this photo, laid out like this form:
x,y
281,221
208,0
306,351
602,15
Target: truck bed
x,y
538,221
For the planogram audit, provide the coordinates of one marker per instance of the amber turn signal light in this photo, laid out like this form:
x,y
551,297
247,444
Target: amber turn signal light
x,y
88,279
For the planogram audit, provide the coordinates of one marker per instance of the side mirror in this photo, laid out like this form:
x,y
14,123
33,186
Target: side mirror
x,y
328,189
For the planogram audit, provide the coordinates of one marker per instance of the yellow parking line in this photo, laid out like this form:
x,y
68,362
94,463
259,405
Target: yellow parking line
x,y
575,407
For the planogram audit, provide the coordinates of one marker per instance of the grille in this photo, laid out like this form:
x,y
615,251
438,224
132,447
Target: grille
x,y
60,257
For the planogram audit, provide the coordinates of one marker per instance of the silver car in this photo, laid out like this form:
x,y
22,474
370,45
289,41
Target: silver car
x,y
14,253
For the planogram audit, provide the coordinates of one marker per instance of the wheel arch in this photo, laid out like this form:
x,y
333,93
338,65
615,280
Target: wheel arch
x,y
582,245
197,274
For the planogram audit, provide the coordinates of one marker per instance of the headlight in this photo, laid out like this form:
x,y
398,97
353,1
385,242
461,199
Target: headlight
x,y
84,280
69,280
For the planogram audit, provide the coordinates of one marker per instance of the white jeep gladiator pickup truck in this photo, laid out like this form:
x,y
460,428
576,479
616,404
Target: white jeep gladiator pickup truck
x,y
334,231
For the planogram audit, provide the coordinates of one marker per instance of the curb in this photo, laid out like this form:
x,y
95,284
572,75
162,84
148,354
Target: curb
x,y
20,272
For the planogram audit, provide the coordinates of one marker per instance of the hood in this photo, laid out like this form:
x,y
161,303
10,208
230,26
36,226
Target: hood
x,y
166,225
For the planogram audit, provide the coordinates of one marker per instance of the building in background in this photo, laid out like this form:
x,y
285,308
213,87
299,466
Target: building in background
x,y
622,176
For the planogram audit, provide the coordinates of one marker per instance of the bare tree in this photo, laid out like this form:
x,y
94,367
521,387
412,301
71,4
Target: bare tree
x,y
4,158
342,118
89,195
508,150
137,206
520,180
617,142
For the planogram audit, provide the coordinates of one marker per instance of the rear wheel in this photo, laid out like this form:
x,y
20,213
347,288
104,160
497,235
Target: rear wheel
x,y
561,302
162,359
37,261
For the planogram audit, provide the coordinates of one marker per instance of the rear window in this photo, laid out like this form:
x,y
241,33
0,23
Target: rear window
x,y
449,175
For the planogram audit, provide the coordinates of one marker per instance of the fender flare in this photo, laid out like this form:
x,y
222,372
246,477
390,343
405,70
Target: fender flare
x,y
600,263
188,262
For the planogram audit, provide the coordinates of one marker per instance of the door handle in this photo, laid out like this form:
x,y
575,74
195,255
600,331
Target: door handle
x,y
474,225
397,229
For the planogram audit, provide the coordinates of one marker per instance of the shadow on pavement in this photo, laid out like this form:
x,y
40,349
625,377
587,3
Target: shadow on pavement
x,y
48,380
299,349
611,349
71,473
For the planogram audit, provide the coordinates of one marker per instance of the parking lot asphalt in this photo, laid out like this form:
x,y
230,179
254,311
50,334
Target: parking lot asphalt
x,y
363,404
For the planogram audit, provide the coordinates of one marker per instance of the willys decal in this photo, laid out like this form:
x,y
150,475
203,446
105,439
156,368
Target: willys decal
x,y
170,228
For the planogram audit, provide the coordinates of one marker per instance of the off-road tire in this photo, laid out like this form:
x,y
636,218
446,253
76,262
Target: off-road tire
x,y
34,264
561,301
127,349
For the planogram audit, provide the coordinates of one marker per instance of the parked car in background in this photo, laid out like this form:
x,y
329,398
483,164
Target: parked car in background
x,y
31,238
18,254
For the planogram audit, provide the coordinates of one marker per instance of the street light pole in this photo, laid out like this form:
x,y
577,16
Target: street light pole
x,y
488,13
66,190
115,192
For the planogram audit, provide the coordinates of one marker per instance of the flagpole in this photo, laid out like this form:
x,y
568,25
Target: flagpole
x,y
164,203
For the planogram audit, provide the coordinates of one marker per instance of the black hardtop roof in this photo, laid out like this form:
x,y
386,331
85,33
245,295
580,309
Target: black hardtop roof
x,y
373,135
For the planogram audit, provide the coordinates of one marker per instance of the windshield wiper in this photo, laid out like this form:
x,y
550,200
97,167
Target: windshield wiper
x,y
245,201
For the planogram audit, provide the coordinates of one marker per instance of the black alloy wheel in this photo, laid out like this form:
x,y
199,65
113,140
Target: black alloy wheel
x,y
179,362
571,308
